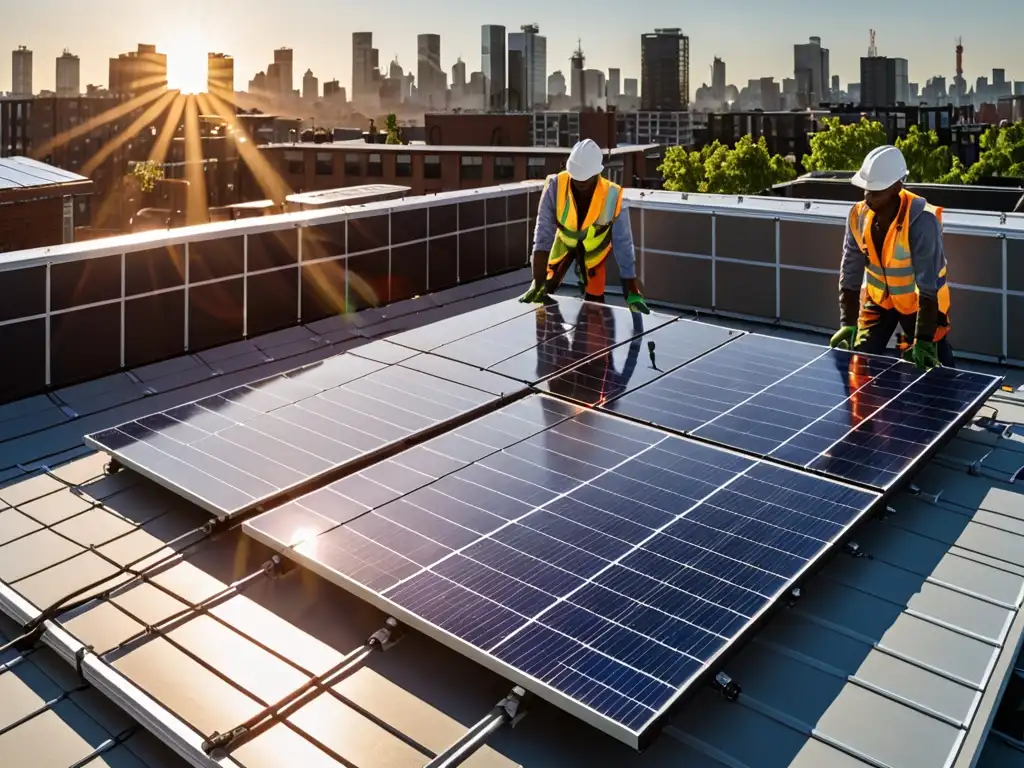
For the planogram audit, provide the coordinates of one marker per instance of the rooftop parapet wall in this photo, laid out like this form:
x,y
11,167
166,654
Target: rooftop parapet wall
x,y
78,312
81,311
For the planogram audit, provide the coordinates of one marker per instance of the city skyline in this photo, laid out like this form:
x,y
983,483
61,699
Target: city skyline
x,y
193,29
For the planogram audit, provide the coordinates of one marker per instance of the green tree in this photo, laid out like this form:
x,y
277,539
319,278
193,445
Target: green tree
x,y
147,174
747,169
927,160
956,174
1002,154
840,147
391,124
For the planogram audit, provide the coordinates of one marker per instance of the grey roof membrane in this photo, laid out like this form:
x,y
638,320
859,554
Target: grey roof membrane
x,y
893,659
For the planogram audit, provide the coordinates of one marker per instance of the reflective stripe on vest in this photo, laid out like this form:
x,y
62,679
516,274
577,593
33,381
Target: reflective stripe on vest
x,y
595,229
889,277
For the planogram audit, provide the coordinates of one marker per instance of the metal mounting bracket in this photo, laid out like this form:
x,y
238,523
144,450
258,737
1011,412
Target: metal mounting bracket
x,y
728,687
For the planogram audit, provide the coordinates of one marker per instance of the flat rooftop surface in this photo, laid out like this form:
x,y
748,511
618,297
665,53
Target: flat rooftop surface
x,y
893,659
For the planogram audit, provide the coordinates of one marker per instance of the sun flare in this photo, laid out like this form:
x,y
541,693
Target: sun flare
x,y
186,66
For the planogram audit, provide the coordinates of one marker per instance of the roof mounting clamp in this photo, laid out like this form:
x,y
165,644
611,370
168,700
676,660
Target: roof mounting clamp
x,y
794,595
221,741
112,467
385,637
728,687
853,549
512,705
886,512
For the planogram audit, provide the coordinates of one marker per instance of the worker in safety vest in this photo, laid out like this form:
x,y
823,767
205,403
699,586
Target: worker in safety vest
x,y
582,218
893,250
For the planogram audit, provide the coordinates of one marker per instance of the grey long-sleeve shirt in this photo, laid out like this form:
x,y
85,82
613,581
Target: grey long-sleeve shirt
x,y
622,233
927,256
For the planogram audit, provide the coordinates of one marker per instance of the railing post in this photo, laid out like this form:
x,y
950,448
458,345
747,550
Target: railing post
x,y
298,280
245,286
188,260
427,286
778,269
714,261
49,376
1005,299
124,265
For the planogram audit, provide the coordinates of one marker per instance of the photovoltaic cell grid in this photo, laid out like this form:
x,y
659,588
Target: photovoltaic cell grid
x,y
643,359
237,449
534,345
603,564
858,418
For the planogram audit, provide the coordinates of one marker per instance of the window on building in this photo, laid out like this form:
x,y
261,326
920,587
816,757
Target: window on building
x,y
324,163
472,167
504,168
403,166
374,165
536,168
294,163
432,166
353,164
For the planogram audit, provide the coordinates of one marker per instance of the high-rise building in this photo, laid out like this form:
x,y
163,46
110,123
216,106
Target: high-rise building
x,y
362,65
259,83
878,81
665,70
138,72
459,75
220,74
835,85
310,87
718,80
21,71
333,91
577,85
811,71
593,88
69,82
556,85
284,59
492,63
533,50
515,100
631,87
902,75
614,88
429,75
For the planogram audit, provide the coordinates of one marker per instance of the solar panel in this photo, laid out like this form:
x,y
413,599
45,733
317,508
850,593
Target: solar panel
x,y
644,359
238,449
533,345
605,565
856,417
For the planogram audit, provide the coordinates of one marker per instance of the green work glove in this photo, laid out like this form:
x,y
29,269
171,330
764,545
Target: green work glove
x,y
843,338
636,303
923,354
536,293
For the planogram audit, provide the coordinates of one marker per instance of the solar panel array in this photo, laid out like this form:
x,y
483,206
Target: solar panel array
x,y
238,449
604,543
603,564
855,417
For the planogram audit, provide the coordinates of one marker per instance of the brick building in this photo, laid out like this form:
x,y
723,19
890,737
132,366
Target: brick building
x,y
521,129
39,204
428,169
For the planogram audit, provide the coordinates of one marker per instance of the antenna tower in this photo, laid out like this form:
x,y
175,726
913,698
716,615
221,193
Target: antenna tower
x,y
872,48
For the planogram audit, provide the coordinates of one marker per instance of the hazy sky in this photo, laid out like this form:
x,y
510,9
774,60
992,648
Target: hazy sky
x,y
755,38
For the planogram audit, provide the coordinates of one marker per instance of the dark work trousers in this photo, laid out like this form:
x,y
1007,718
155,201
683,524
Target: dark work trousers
x,y
876,325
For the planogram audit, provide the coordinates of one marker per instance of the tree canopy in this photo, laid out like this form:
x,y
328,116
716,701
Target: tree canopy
x,y
747,169
391,125
147,173
839,147
927,160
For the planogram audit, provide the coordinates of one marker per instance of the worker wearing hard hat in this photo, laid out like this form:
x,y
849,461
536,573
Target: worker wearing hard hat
x,y
893,250
582,218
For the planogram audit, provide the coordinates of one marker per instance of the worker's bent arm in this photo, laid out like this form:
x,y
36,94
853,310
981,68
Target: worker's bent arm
x,y
622,242
928,260
851,277
545,230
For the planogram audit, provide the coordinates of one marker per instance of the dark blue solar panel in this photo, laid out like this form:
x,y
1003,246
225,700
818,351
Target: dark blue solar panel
x,y
609,561
858,418
234,450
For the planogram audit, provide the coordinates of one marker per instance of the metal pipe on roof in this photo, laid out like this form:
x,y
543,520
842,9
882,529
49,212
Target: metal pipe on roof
x,y
507,711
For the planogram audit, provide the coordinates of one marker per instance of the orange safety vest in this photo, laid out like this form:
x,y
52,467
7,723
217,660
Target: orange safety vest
x,y
595,229
889,277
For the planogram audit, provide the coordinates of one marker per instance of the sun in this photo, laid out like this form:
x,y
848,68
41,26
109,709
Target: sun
x,y
186,66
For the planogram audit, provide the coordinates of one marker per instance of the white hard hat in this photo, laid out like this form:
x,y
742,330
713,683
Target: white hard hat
x,y
585,160
882,168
